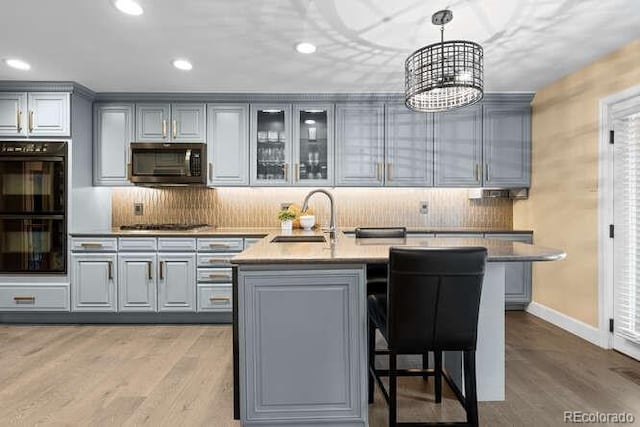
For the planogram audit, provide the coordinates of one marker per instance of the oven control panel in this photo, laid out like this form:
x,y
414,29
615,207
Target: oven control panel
x,y
24,148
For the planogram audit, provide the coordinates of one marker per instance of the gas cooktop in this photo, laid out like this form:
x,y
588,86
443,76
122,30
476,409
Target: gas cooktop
x,y
166,227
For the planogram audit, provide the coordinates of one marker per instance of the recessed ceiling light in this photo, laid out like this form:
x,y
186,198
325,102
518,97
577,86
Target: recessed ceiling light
x,y
305,47
18,64
129,7
310,122
182,64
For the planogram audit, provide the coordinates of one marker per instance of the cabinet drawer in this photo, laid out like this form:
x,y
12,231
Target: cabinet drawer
x,y
215,275
176,244
220,245
137,244
34,298
215,259
251,241
215,298
98,244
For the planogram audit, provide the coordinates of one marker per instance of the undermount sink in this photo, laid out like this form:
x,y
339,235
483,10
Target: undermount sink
x,y
298,239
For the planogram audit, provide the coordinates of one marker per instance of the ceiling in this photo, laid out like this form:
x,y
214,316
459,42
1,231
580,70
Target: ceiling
x,y
248,45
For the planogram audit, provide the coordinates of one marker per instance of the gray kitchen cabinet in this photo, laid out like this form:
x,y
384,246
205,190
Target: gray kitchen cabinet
x,y
458,148
152,122
228,144
13,110
94,282
176,282
313,144
517,274
325,376
49,114
360,144
188,122
137,282
270,145
408,148
113,132
507,144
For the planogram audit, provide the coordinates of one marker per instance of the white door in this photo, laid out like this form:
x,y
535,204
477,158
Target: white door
x,y
626,207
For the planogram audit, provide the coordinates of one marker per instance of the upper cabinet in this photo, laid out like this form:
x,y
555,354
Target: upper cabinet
x,y
408,148
228,144
507,145
178,122
458,148
113,131
359,144
270,144
313,144
35,114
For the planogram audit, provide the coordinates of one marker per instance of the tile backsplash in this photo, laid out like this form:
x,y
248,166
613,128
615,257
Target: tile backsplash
x,y
257,207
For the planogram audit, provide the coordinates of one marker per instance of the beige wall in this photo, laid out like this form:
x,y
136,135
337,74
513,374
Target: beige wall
x,y
563,205
257,207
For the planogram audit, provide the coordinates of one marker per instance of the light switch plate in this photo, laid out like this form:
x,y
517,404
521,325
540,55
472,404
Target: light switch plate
x,y
138,209
424,207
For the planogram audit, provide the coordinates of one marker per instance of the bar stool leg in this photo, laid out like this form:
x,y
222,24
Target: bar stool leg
x,y
471,396
437,358
393,422
372,359
425,364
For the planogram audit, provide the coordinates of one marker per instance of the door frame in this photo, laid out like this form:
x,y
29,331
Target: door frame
x,y
605,212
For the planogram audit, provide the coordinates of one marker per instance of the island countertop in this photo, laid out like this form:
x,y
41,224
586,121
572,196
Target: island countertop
x,y
348,249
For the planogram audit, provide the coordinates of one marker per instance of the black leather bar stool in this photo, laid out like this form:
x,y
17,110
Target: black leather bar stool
x,y
377,273
432,304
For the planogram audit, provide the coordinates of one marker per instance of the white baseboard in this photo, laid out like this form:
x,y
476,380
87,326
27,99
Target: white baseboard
x,y
569,324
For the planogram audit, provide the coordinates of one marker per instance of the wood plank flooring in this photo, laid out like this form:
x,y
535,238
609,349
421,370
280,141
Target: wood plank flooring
x,y
166,375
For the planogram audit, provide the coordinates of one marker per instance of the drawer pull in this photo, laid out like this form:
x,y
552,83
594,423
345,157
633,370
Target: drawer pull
x,y
91,245
149,270
24,300
221,245
219,260
219,299
219,276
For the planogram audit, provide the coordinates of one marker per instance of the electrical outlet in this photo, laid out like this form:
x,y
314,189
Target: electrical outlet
x,y
424,208
138,209
285,205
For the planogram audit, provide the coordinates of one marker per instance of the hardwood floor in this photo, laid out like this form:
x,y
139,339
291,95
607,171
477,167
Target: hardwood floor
x,y
182,375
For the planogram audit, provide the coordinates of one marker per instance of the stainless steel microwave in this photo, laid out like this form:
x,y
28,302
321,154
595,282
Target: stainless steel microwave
x,y
162,164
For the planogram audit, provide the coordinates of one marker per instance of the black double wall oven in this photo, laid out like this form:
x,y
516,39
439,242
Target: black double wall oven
x,y
33,207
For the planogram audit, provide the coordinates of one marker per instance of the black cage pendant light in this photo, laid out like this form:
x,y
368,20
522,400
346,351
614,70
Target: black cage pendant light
x,y
446,75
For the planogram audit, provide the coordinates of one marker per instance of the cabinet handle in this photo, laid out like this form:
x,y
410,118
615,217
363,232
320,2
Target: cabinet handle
x,y
389,171
161,270
30,121
379,171
286,171
297,172
218,276
487,168
19,120
219,260
91,245
24,300
129,171
220,245
174,129
110,269
220,299
164,128
210,171
149,270
477,177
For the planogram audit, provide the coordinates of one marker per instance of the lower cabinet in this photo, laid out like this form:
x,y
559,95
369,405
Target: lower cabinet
x,y
137,282
517,274
176,282
94,282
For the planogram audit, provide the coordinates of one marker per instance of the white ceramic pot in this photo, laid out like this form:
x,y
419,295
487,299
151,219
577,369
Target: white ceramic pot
x,y
307,221
286,225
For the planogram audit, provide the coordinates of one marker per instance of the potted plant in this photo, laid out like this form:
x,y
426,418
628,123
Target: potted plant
x,y
286,218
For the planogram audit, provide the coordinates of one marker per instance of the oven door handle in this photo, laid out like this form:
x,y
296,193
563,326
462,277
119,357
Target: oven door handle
x,y
37,158
30,216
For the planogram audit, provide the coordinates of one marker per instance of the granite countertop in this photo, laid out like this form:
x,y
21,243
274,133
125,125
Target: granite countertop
x,y
263,231
349,250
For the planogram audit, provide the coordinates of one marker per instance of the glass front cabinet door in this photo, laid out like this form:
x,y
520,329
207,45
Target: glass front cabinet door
x,y
313,145
270,145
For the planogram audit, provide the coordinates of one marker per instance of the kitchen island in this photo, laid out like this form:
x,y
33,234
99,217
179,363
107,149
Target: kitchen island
x,y
300,326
